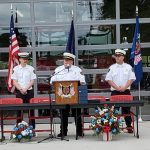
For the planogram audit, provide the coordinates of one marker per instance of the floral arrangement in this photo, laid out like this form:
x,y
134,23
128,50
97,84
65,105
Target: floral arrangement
x,y
106,119
22,131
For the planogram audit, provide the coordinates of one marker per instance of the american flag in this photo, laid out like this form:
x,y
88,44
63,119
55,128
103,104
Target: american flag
x,y
13,55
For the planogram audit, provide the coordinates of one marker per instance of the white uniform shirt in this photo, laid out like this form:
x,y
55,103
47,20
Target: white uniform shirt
x,y
71,74
120,74
23,75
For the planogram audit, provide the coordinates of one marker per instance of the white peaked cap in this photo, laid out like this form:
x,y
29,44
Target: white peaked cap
x,y
68,55
24,54
120,51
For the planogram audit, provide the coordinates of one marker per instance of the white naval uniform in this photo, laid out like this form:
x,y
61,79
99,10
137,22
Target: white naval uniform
x,y
120,74
63,74
23,75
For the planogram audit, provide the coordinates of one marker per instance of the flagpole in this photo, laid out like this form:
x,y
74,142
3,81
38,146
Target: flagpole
x,y
72,17
139,87
140,117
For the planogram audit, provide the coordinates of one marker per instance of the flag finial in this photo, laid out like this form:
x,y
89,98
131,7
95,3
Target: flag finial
x,y
137,10
11,8
72,13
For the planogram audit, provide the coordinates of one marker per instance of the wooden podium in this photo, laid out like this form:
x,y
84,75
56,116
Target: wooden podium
x,y
66,92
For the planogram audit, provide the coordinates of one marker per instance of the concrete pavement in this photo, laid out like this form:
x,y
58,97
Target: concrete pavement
x,y
123,141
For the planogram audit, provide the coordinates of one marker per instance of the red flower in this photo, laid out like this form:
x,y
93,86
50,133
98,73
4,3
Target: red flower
x,y
110,115
102,115
118,117
115,124
105,105
106,124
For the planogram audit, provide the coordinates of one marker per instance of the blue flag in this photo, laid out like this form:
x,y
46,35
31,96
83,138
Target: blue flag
x,y
135,56
71,40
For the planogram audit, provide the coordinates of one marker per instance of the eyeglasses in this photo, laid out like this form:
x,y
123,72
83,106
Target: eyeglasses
x,y
118,55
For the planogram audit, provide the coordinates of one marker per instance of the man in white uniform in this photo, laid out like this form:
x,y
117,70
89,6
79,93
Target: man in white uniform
x,y
69,72
120,77
23,79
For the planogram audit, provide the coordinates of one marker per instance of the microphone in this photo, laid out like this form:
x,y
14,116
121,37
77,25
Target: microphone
x,y
67,67
55,73
52,74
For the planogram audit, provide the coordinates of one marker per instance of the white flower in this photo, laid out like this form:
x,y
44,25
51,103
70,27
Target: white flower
x,y
112,108
93,125
105,109
101,112
19,124
27,131
24,133
93,117
98,121
115,119
25,123
110,123
105,121
14,136
30,131
99,109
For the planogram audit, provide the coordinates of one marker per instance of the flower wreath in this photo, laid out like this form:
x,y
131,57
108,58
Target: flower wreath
x,y
22,131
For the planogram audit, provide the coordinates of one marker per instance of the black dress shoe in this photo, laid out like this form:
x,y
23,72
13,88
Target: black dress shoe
x,y
130,131
60,135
